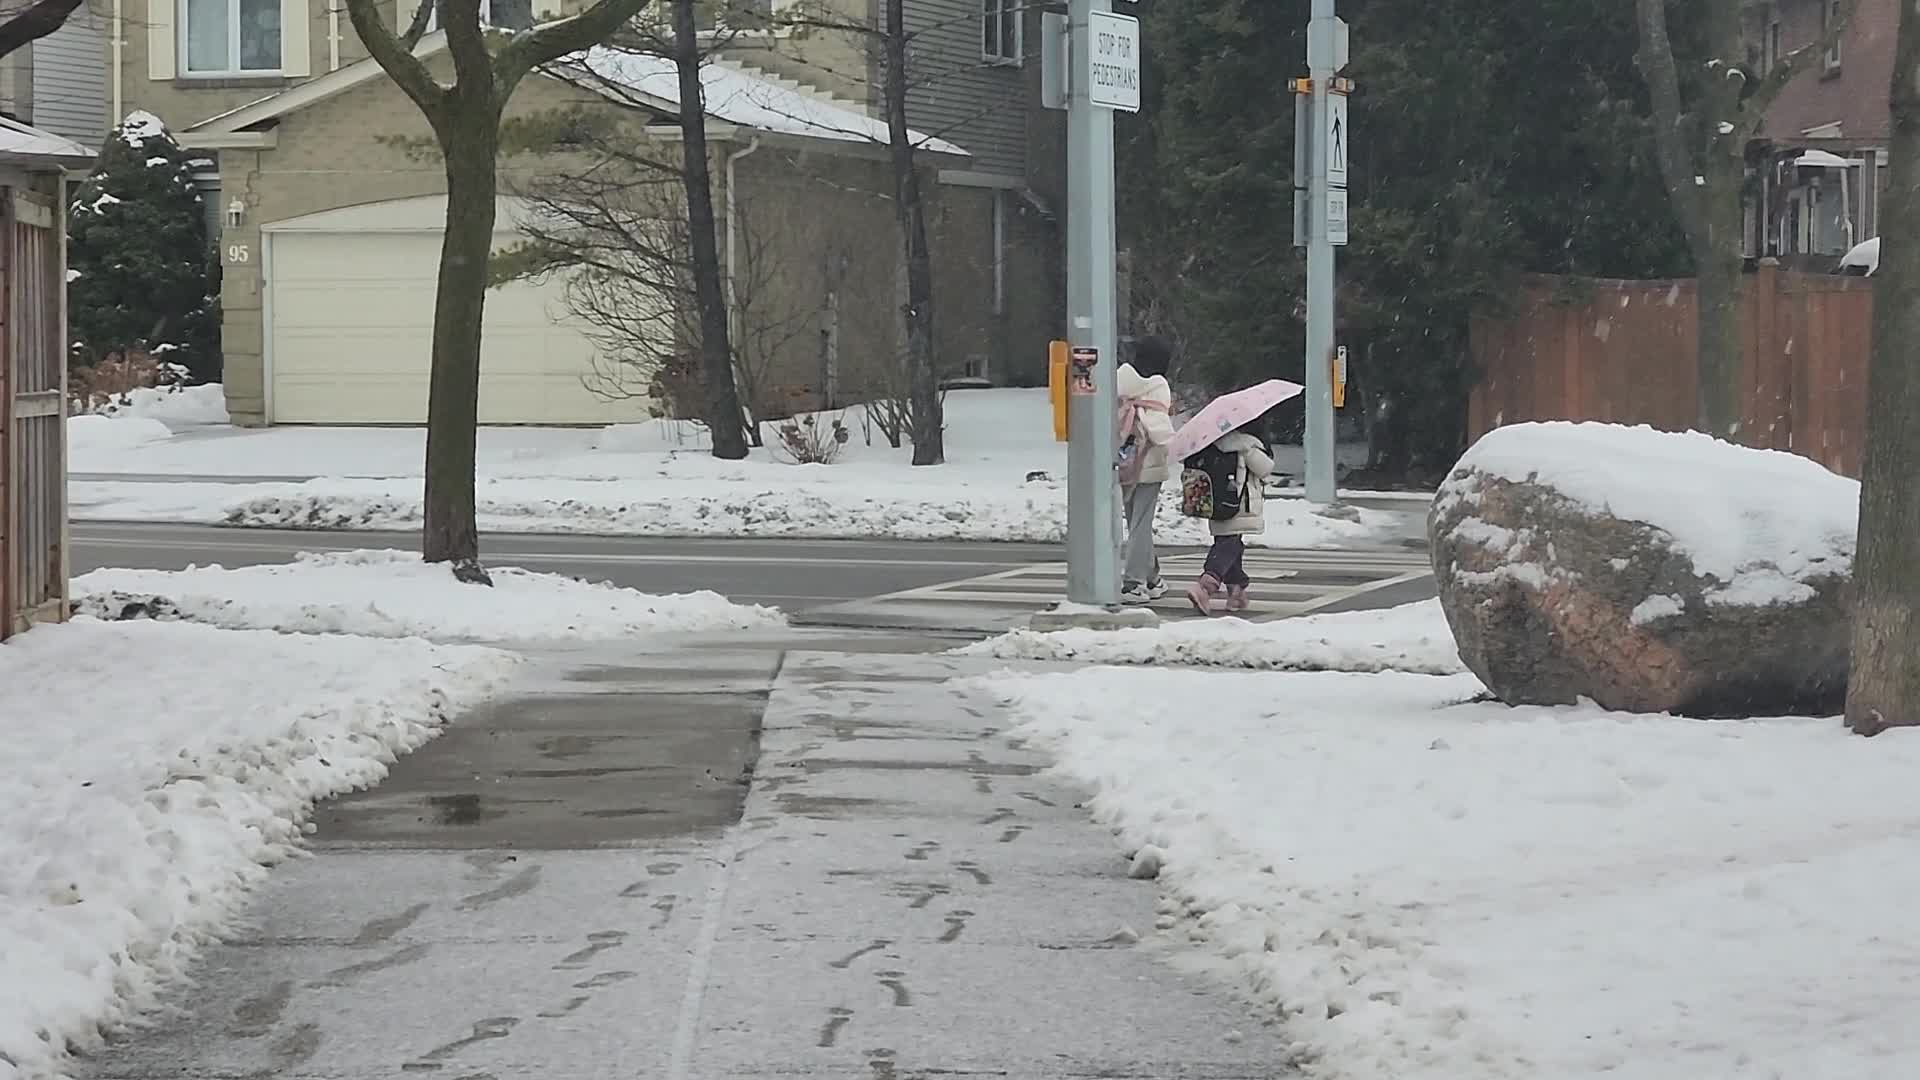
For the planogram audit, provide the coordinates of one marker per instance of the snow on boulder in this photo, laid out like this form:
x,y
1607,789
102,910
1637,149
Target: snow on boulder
x,y
1646,570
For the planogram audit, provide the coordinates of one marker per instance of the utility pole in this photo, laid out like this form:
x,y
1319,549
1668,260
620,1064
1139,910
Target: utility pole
x,y
1320,225
1103,74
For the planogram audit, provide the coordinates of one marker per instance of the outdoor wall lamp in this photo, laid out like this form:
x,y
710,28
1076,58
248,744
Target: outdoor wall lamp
x,y
236,213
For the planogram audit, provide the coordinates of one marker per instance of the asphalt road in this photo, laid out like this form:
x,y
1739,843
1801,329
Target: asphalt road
x,y
791,574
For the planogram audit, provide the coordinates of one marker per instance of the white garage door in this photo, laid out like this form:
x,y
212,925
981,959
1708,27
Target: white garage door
x,y
350,324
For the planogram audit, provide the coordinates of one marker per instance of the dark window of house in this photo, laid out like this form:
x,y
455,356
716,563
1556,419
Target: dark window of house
x,y
1000,30
1829,17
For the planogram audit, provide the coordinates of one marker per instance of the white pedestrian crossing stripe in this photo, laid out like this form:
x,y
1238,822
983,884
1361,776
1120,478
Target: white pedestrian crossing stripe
x,y
1284,583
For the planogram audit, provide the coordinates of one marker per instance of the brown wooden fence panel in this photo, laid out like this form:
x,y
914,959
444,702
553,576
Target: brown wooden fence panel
x,y
35,403
1623,352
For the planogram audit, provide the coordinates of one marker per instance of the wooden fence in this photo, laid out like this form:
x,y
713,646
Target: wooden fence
x,y
33,470
1623,351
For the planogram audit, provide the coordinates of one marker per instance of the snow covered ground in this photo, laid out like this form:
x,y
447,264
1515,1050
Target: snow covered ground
x,y
1413,637
150,774
394,594
1005,479
1431,887
173,407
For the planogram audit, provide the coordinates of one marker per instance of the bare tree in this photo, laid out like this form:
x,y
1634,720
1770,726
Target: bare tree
x,y
716,354
1883,689
891,45
615,230
465,117
1706,109
923,396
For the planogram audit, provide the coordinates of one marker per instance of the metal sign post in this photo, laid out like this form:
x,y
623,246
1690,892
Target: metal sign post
x,y
1325,227
1104,75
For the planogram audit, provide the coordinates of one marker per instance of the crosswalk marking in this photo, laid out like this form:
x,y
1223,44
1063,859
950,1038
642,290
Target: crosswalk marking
x,y
1284,583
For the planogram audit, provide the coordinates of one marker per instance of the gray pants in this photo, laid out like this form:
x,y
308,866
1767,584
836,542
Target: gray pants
x,y
1141,564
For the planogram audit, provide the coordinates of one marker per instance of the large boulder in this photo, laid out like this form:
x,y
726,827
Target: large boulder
x,y
1646,570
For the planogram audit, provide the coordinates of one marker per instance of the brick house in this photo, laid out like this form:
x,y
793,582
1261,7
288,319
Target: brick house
x,y
1821,158
328,213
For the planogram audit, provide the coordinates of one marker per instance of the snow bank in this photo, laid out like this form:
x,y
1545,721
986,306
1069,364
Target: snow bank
x,y
1762,522
151,773
695,499
172,406
812,503
1005,479
394,594
1430,888
1413,637
109,434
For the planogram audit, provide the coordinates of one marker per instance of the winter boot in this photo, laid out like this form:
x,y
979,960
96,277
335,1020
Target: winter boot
x,y
1237,599
1201,593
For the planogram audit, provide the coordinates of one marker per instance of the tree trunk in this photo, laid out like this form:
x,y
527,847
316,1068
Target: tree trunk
x,y
469,134
1884,687
923,384
725,425
1700,144
1721,360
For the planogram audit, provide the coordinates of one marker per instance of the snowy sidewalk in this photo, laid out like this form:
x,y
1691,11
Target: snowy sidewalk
x,y
904,896
152,772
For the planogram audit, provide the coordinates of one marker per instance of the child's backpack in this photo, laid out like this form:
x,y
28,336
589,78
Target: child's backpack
x,y
1210,485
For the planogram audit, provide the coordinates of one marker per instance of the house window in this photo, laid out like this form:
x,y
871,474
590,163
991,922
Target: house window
x,y
228,37
1829,18
1000,35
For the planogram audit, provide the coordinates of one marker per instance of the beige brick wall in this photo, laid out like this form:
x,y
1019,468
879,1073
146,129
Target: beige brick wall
x,y
825,225
183,101
824,221
328,157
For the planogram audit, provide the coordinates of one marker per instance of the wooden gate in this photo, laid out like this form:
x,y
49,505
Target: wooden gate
x,y
33,470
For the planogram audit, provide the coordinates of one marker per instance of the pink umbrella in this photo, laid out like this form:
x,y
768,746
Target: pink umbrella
x,y
1226,413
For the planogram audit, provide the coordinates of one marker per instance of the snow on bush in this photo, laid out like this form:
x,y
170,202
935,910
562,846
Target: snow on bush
x,y
1425,887
1412,637
149,776
1760,522
395,594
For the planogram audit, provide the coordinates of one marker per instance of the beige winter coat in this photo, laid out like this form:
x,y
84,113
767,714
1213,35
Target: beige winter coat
x,y
1255,467
1155,424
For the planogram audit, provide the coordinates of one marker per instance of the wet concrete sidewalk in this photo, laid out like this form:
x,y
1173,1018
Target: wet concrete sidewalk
x,y
584,884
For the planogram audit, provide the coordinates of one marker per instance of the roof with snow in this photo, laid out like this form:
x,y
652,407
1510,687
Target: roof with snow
x,y
24,143
737,96
734,94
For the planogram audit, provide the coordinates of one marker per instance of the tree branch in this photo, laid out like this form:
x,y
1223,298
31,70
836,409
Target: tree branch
x,y
545,44
467,44
395,58
35,22
1656,64
417,29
